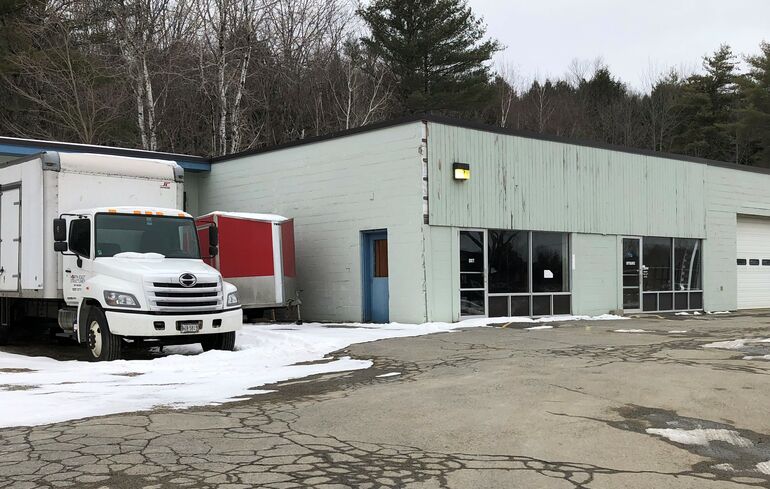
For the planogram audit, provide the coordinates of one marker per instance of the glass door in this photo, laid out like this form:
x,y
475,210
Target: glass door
x,y
631,267
473,287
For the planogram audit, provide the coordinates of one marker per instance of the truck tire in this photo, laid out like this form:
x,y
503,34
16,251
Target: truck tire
x,y
103,345
5,334
219,341
7,313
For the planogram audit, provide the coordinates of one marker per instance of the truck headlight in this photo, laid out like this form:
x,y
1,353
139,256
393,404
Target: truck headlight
x,y
232,299
120,299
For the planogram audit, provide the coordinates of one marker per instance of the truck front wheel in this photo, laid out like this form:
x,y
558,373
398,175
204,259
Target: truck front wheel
x,y
103,345
219,341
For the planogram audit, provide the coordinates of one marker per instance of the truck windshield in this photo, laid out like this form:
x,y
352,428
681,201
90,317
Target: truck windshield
x,y
172,237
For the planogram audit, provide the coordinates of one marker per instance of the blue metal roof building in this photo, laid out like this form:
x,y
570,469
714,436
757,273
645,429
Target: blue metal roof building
x,y
12,148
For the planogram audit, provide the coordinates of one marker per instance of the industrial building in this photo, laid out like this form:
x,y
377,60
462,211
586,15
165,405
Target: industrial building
x,y
433,219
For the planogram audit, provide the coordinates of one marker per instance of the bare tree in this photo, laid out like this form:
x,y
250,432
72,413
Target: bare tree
x,y
662,112
508,84
72,95
542,102
230,31
360,85
147,31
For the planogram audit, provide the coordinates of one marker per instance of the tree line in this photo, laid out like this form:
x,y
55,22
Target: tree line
x,y
213,77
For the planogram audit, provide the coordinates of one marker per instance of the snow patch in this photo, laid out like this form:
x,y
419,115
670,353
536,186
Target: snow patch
x,y
389,374
764,467
133,255
717,312
675,331
757,357
533,328
546,319
252,216
631,331
701,436
735,344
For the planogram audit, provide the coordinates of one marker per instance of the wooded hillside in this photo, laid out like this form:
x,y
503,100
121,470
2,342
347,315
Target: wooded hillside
x,y
211,77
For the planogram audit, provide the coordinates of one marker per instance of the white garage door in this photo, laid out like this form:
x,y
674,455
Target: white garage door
x,y
753,262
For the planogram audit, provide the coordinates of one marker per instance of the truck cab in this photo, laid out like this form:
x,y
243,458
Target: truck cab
x,y
136,274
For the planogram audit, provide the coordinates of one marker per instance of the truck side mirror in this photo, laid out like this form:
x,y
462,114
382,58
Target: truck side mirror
x,y
60,229
60,246
213,236
213,251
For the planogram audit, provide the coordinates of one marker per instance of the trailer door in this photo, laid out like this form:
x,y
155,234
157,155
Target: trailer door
x,y
10,239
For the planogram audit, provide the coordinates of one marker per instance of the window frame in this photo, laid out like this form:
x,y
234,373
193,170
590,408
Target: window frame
x,y
79,253
483,273
194,236
529,294
657,293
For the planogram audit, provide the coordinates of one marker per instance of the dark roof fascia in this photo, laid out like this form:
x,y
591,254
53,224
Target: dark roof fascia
x,y
108,150
465,124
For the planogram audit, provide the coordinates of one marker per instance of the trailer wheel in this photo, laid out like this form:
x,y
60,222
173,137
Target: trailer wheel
x,y
103,345
219,341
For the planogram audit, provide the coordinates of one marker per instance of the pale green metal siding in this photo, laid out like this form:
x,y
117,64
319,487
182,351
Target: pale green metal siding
x,y
519,183
729,193
443,273
595,274
334,189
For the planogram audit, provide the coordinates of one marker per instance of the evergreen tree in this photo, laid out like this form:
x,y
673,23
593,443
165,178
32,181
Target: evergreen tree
x,y
436,51
754,115
707,107
604,99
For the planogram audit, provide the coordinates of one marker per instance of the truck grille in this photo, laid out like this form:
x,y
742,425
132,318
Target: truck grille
x,y
166,294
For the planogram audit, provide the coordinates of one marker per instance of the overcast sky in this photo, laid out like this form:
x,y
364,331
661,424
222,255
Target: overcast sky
x,y
633,37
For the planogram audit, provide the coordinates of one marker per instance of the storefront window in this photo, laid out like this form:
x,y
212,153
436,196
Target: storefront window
x,y
527,273
656,256
550,259
687,263
508,261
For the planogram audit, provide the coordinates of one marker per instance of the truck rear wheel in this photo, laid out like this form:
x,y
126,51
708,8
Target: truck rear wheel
x,y
6,318
219,341
103,345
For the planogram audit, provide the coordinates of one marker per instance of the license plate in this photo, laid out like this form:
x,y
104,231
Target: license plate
x,y
189,326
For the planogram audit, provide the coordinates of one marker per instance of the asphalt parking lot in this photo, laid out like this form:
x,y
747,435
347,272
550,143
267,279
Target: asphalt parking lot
x,y
578,405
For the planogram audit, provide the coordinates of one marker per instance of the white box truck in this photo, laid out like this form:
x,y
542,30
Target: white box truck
x,y
97,245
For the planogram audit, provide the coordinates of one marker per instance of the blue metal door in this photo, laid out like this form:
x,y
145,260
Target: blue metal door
x,y
374,263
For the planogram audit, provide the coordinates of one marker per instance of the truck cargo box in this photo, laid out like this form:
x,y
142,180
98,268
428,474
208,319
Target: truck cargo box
x,y
36,189
256,254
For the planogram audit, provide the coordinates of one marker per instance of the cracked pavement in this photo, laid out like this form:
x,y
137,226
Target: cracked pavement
x,y
487,407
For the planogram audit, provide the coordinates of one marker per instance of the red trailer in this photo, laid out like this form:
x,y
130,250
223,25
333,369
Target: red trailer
x,y
256,254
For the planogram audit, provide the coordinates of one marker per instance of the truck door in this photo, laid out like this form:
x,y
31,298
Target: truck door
x,y
79,239
10,238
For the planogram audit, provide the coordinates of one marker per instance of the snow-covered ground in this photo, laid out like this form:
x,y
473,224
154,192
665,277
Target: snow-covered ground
x,y
40,390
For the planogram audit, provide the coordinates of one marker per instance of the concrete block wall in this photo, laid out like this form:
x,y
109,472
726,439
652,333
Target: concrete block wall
x,y
334,190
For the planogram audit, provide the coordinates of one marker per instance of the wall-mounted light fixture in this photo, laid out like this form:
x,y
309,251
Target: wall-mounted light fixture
x,y
462,171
